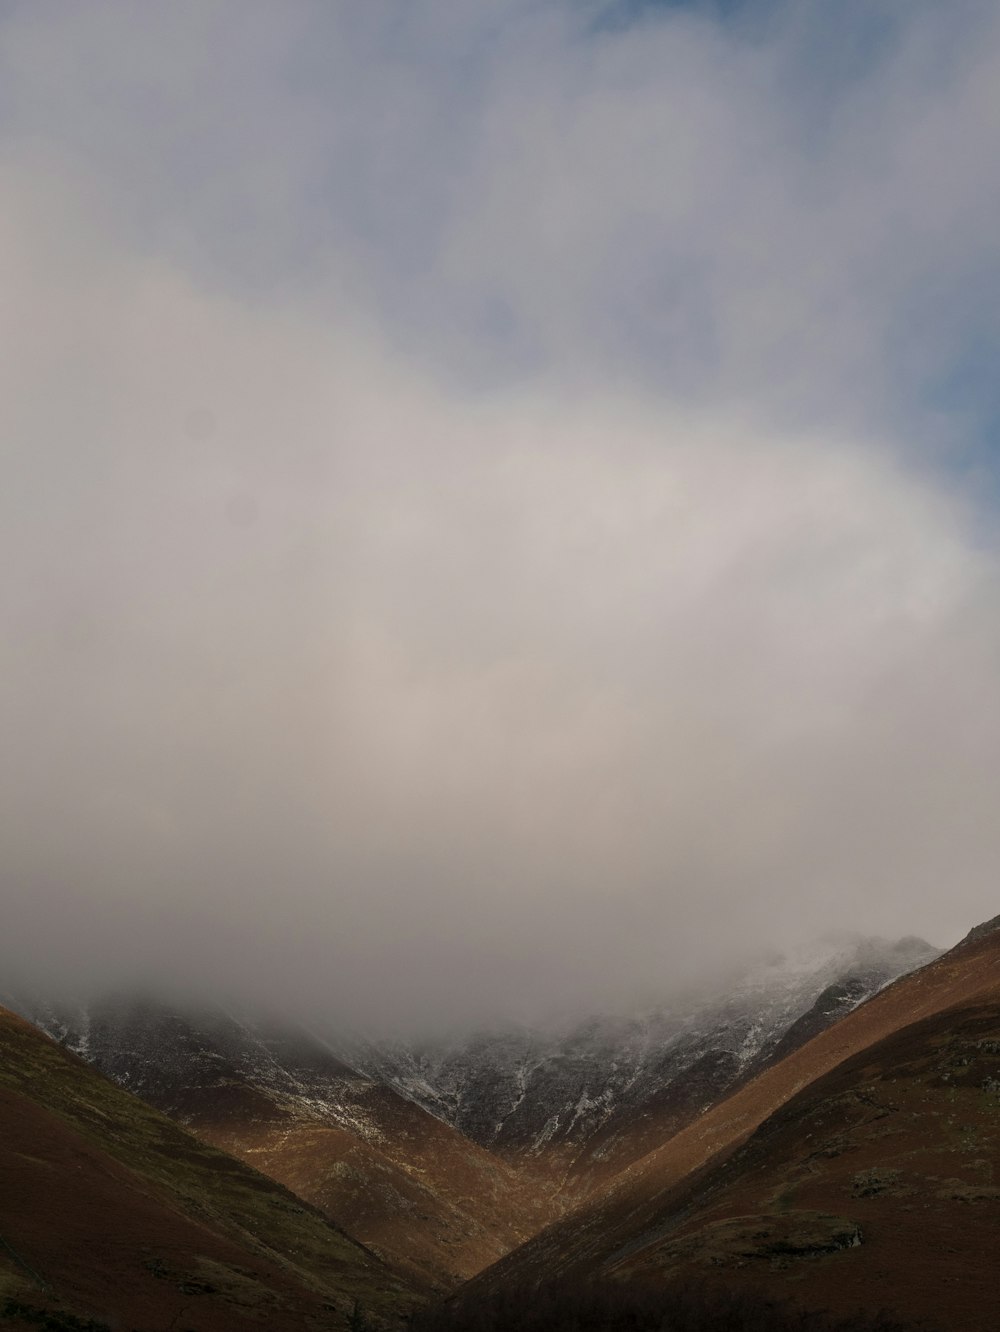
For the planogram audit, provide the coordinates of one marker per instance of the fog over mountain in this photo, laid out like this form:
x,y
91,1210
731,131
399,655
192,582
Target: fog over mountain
x,y
499,501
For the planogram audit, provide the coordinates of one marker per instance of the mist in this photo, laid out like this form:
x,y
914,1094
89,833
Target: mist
x,y
498,511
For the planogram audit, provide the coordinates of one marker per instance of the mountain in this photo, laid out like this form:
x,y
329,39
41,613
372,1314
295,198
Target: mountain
x,y
578,1105
111,1215
414,1189
442,1157
857,1170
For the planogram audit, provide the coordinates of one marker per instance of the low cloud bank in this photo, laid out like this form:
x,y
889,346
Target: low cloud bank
x,y
338,675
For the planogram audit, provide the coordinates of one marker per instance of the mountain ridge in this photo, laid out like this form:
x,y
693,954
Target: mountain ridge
x,y
646,1204
389,1167
583,1102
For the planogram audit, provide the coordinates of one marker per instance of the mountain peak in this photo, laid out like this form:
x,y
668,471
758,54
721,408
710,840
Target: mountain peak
x,y
981,931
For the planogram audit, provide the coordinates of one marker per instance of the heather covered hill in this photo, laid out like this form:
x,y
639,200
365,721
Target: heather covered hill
x,y
642,1213
111,1212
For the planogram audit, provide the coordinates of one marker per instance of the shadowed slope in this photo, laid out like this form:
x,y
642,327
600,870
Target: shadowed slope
x,y
110,1211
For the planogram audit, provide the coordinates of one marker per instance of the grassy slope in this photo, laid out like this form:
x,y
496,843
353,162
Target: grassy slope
x,y
110,1210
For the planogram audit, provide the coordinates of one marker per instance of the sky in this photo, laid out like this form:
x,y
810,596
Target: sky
x,y
500,501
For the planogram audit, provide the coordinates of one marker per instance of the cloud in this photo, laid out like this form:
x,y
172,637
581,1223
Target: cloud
x,y
465,547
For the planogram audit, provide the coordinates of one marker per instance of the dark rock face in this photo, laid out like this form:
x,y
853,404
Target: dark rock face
x,y
199,1065
832,1003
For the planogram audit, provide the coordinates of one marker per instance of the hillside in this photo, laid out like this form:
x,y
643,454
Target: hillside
x,y
408,1185
866,1170
111,1212
877,1185
382,1162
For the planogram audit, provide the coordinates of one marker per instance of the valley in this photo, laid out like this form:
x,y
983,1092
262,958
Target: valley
x,y
818,1133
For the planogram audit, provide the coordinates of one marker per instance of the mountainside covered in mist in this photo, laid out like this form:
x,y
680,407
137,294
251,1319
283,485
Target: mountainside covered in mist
x,y
586,1101
445,1158
859,1169
850,1161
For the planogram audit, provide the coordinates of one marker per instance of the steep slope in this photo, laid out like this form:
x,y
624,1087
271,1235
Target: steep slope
x,y
646,1202
877,1185
402,1181
579,1105
111,1212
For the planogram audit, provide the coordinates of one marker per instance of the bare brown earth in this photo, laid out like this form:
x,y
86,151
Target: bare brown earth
x,y
647,1203
111,1212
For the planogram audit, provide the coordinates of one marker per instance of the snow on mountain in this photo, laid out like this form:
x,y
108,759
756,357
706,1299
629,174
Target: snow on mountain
x,y
188,1063
586,1089
407,1184
580,1100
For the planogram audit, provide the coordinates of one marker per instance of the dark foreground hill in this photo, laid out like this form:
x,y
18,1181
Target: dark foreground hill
x,y
112,1215
574,1306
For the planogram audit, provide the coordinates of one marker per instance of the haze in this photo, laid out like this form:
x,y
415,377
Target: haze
x,y
499,500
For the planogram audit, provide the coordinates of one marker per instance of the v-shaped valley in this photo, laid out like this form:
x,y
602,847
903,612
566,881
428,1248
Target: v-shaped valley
x,y
821,1132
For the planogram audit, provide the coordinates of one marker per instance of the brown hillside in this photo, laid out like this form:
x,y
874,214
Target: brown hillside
x,y
109,1211
879,1186
642,1196
271,1092
424,1197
